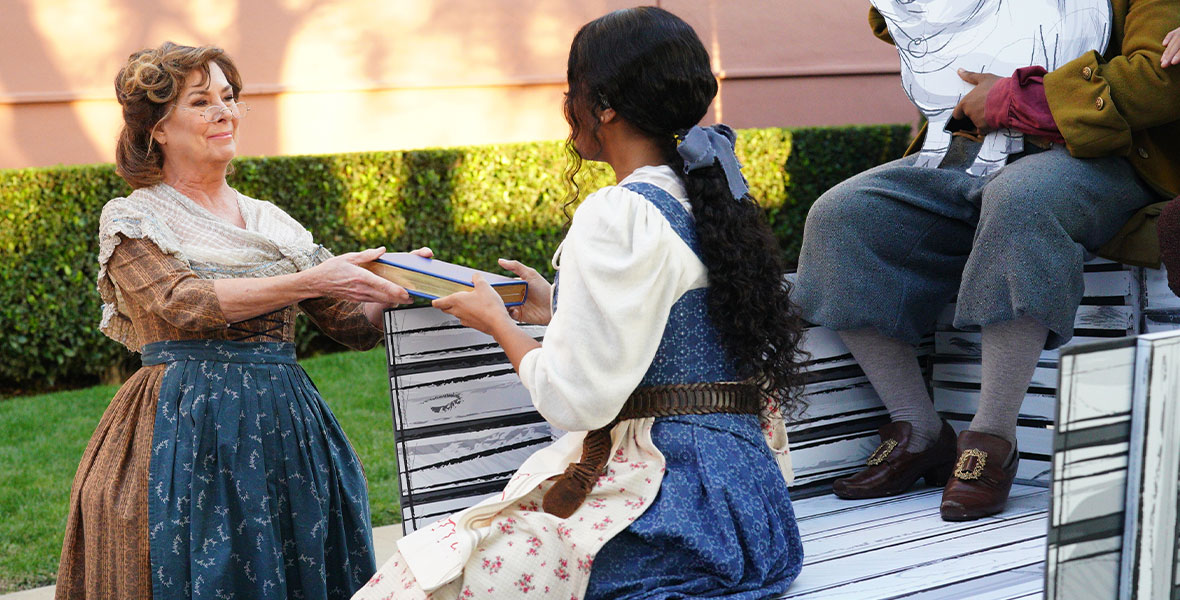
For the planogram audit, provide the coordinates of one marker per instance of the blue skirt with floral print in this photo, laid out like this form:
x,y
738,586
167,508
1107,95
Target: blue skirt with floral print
x,y
254,492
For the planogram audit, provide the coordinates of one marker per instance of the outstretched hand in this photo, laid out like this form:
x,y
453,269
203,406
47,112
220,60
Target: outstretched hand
x,y
537,308
374,311
1171,55
481,309
974,105
344,277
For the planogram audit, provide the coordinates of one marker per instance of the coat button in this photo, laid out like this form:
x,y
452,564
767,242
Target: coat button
x,y
1143,153
1087,73
1099,103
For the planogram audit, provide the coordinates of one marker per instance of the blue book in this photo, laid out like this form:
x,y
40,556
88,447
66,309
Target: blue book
x,y
430,278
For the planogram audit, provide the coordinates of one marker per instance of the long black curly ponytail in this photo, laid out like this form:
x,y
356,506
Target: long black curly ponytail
x,y
651,68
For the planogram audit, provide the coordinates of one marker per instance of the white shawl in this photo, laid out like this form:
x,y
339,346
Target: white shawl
x,y
272,243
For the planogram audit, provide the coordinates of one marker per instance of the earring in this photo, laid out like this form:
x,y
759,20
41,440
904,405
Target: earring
x,y
602,101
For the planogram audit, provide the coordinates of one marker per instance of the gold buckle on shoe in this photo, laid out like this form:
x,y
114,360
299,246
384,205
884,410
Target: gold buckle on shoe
x,y
881,453
980,457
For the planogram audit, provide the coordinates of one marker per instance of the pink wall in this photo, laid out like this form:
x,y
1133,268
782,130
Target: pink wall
x,y
350,75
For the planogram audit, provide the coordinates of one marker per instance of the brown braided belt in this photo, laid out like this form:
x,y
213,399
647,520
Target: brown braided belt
x,y
571,487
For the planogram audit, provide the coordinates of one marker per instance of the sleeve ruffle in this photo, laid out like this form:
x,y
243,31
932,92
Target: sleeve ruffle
x,y
622,268
121,220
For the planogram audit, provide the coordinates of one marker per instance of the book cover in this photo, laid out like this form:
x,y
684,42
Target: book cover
x,y
431,278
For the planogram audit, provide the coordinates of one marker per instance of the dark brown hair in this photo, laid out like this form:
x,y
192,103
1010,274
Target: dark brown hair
x,y
146,87
651,68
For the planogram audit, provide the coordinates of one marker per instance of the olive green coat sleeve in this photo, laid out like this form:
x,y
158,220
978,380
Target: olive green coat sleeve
x,y
880,29
1103,103
1123,103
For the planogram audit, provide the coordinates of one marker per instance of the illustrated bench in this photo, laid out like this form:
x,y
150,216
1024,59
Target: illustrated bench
x,y
463,423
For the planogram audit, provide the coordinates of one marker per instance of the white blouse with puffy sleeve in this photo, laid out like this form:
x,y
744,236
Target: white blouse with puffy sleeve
x,y
622,267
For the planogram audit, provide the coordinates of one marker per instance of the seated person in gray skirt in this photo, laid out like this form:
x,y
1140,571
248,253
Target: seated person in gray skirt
x,y
884,251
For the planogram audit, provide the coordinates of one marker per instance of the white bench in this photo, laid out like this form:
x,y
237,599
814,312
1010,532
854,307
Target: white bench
x,y
463,423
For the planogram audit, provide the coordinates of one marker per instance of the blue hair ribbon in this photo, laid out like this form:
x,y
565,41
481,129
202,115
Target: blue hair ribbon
x,y
700,147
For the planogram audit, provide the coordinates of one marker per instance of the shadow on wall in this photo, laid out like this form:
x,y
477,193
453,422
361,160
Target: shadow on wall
x,y
445,72
325,76
29,133
60,67
266,63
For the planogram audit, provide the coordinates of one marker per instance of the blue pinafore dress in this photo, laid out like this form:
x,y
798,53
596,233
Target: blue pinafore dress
x,y
722,524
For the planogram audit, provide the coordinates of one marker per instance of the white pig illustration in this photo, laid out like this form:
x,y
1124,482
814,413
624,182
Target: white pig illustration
x,y
936,37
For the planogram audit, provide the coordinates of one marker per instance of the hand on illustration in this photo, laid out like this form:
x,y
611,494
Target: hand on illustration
x,y
974,105
1171,55
537,306
481,309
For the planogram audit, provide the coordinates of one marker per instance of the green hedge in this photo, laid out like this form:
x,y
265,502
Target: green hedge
x,y
471,205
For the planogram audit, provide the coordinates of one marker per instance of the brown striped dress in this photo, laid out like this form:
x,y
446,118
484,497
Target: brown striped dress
x,y
106,549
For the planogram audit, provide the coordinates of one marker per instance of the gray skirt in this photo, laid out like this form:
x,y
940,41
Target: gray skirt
x,y
888,248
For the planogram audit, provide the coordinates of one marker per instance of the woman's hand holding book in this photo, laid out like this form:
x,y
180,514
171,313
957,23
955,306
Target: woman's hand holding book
x,y
482,309
343,277
536,308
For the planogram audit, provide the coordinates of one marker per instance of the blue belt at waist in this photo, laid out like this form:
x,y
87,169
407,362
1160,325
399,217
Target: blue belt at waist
x,y
157,353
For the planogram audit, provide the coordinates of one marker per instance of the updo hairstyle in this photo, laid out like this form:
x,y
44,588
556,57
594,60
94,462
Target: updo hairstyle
x,y
147,88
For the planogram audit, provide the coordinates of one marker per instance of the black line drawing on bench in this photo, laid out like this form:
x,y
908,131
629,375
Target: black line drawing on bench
x,y
934,38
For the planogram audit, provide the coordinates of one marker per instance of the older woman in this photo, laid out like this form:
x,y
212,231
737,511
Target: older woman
x,y
217,471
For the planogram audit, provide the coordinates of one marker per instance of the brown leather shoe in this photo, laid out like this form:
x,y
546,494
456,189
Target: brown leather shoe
x,y
893,469
981,480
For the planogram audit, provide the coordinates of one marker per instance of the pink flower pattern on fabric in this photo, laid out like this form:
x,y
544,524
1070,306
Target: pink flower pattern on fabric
x,y
493,566
522,538
525,583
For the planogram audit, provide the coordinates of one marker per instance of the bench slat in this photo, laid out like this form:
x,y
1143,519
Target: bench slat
x,y
926,563
470,453
954,370
965,400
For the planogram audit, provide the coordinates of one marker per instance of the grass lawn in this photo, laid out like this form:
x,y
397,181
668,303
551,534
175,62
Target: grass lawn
x,y
44,436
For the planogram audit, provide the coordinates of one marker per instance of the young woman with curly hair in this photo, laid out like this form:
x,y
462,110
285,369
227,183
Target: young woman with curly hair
x,y
671,354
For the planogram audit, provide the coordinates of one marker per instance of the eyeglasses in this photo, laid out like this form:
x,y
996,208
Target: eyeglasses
x,y
212,114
